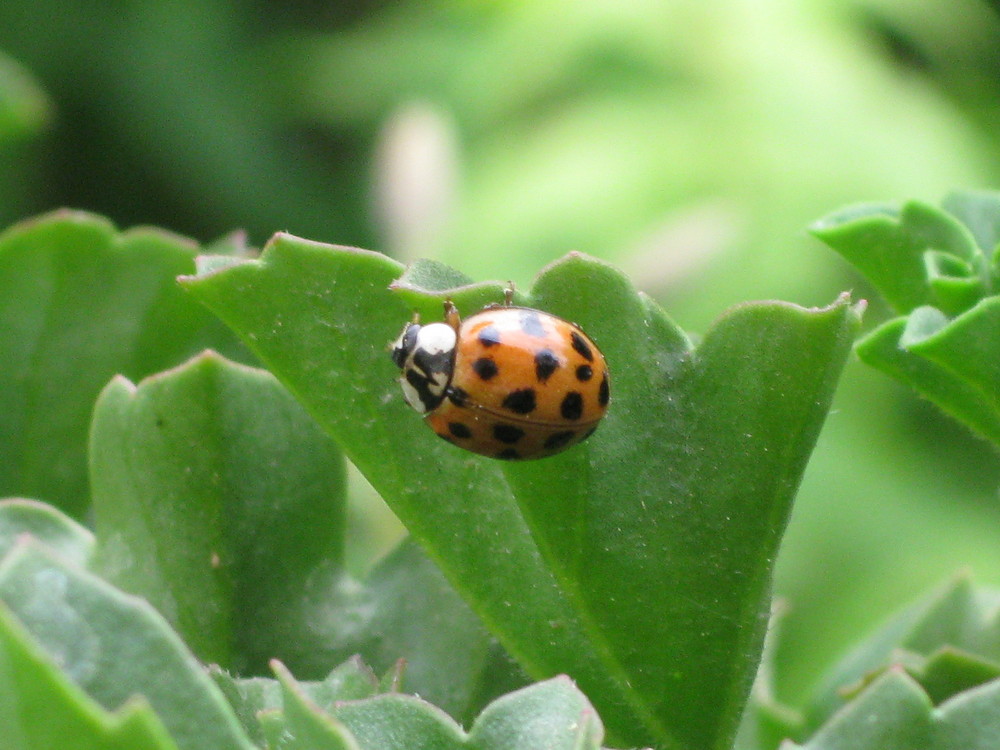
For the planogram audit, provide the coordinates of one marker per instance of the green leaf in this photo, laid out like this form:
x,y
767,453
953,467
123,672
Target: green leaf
x,y
218,499
55,530
243,555
414,614
24,107
307,727
970,720
950,671
890,246
115,647
895,714
552,714
938,266
640,563
950,638
330,348
892,714
953,363
80,302
980,212
41,709
398,722
767,721
714,442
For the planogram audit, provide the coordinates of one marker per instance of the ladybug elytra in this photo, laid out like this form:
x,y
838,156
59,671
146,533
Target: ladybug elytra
x,y
508,382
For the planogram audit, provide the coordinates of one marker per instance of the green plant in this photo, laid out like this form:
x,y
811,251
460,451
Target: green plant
x,y
639,564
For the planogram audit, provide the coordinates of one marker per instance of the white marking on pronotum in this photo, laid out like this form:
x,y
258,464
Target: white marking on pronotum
x,y
436,338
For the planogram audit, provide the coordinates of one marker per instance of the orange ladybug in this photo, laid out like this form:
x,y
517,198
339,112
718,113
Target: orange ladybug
x,y
508,382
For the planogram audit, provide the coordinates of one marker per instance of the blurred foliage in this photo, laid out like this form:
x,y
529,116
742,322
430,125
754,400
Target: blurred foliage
x,y
688,142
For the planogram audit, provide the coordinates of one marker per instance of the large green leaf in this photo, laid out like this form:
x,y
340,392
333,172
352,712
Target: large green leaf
x,y
80,302
219,500
639,563
115,647
41,709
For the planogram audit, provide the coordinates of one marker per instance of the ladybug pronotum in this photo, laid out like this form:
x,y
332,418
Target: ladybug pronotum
x,y
508,382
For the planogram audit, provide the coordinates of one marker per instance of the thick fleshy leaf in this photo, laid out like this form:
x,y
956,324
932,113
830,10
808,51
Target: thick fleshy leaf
x,y
331,349
889,246
715,441
219,500
80,302
415,615
309,728
950,639
115,647
551,714
893,713
980,212
41,709
954,363
939,268
404,610
55,530
676,505
950,671
970,720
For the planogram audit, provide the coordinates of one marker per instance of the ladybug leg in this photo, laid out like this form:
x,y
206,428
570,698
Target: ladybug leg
x,y
451,316
508,294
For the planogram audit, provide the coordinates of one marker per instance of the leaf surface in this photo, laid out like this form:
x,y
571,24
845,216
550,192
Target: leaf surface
x,y
115,647
639,563
79,303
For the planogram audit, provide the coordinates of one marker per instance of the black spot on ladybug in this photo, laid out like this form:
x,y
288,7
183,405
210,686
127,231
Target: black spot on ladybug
x,y
546,363
485,368
459,430
489,336
508,454
572,406
584,373
558,440
581,346
531,324
457,396
520,401
605,393
507,433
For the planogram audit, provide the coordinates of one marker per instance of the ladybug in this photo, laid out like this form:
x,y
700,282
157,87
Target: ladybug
x,y
508,382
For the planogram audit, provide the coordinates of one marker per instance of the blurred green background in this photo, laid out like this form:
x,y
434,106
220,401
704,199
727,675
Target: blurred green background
x,y
688,142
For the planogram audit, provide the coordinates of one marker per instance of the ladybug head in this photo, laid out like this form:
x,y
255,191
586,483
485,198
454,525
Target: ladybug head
x,y
404,345
426,355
